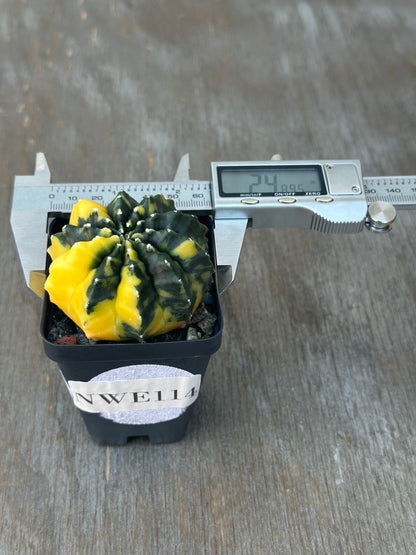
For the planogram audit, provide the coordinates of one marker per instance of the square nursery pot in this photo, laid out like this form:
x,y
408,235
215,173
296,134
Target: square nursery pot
x,y
108,380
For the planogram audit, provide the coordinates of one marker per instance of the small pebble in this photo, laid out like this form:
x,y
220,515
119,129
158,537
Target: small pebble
x,y
66,340
193,334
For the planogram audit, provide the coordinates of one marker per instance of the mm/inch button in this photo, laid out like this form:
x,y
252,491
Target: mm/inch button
x,y
250,200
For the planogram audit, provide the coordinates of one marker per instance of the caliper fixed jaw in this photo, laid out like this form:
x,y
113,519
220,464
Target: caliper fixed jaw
x,y
29,223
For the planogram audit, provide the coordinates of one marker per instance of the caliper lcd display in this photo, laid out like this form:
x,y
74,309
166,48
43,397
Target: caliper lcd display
x,y
258,181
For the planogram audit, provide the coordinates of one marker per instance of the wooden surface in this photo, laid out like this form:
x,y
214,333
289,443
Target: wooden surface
x,y
303,439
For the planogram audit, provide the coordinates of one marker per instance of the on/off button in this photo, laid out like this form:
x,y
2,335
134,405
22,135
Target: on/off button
x,y
286,200
250,200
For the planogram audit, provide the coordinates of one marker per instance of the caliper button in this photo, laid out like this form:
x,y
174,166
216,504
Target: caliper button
x,y
250,200
286,200
324,199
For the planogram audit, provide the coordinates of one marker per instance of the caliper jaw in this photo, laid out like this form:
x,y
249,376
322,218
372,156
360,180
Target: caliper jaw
x,y
229,237
29,225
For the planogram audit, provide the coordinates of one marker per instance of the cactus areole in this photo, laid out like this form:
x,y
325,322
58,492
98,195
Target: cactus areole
x,y
130,270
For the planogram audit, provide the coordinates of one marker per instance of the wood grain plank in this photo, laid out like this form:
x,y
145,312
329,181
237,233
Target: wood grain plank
x,y
303,440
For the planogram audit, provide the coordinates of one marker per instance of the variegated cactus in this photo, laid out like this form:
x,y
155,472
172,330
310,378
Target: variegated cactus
x,y
131,270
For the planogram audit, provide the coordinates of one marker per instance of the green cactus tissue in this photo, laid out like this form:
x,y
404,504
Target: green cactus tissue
x,y
131,270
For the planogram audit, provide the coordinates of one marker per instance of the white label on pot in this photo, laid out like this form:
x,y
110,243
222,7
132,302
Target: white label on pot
x,y
137,394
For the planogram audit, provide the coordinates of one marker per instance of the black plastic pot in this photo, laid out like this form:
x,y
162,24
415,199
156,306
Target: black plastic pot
x,y
85,362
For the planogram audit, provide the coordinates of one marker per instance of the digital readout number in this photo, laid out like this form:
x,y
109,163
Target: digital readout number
x,y
268,183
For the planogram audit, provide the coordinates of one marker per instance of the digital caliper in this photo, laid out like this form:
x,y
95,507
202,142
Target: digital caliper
x,y
324,195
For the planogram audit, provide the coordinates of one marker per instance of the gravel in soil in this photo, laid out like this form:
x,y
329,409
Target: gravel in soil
x,y
62,330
